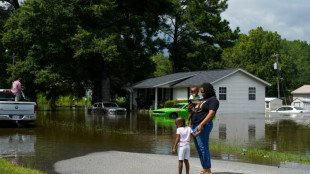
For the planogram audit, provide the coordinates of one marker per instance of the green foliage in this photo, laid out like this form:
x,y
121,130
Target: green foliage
x,y
5,57
196,34
7,167
64,101
294,59
170,103
255,53
123,102
86,45
163,65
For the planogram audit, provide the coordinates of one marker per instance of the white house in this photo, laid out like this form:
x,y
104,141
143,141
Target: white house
x,y
302,92
237,90
272,104
302,102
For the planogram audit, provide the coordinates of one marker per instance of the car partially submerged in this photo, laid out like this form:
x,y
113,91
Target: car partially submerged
x,y
108,108
175,111
290,109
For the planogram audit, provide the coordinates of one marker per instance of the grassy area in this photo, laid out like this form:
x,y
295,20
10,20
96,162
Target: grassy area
x,y
65,101
252,154
7,167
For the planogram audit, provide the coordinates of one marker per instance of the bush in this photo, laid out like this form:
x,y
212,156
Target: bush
x,y
122,102
170,103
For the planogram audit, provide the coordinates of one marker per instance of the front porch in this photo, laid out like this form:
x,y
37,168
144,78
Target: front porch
x,y
143,98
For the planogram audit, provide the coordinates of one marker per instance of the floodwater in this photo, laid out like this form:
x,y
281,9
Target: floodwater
x,y
72,132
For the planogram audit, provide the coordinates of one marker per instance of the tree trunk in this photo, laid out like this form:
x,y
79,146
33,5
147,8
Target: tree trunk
x,y
174,48
96,92
105,86
101,88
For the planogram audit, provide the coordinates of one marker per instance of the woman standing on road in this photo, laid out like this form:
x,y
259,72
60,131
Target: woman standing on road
x,y
202,121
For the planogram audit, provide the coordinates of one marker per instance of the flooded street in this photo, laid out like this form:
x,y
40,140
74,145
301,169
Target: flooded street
x,y
68,133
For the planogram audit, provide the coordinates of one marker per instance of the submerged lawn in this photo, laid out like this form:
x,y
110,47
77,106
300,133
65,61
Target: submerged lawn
x,y
7,167
259,154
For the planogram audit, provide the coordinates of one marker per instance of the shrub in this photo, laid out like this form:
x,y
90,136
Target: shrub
x,y
122,102
170,103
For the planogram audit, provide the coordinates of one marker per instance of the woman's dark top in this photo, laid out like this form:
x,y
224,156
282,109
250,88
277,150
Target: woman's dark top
x,y
207,104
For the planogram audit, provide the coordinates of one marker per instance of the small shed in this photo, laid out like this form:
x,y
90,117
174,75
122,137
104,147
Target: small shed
x,y
302,102
272,104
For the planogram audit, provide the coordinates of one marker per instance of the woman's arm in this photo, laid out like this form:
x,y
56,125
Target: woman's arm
x,y
176,143
206,120
190,106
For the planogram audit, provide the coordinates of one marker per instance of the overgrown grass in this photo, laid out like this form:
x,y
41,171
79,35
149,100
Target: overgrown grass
x,y
251,153
8,168
65,101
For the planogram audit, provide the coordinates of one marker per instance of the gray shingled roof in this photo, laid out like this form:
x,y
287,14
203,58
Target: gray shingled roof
x,y
187,79
166,79
205,76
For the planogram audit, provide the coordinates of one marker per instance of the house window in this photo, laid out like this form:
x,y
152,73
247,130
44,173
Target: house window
x,y
252,93
222,93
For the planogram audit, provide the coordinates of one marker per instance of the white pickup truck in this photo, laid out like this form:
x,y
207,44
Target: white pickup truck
x,y
20,112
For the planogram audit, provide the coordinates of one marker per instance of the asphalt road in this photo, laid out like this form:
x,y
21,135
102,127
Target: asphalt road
x,y
115,162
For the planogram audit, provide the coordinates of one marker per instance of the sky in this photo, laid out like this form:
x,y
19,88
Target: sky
x,y
289,18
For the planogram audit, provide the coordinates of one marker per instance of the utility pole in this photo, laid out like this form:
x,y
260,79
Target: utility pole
x,y
277,67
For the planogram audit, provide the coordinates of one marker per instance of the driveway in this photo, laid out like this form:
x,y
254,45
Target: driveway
x,y
116,162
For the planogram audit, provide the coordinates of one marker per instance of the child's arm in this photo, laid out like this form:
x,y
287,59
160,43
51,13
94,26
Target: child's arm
x,y
177,139
188,122
196,134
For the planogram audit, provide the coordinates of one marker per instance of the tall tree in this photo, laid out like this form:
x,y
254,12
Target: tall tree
x,y
296,62
254,53
4,56
196,33
38,34
163,65
87,44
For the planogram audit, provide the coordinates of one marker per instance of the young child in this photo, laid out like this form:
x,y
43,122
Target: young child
x,y
195,99
182,141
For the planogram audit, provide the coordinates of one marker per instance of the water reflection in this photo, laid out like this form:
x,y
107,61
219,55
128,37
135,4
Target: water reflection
x,y
68,133
239,129
15,144
289,132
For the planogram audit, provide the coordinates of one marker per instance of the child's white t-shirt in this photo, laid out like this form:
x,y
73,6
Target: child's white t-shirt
x,y
185,135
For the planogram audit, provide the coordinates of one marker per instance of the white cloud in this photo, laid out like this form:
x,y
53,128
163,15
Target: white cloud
x,y
288,18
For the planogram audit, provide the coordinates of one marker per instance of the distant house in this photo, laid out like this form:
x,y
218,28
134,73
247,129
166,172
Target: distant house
x,y
237,90
302,102
272,104
302,92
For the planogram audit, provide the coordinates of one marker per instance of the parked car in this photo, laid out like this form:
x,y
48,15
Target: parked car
x,y
107,107
22,111
175,111
290,109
